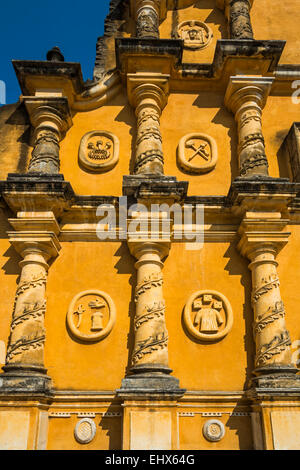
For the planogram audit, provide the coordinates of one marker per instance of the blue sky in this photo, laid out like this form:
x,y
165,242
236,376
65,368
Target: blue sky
x,y
30,28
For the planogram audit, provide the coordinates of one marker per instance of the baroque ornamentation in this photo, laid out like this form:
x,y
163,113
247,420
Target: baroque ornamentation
x,y
276,346
27,332
99,151
246,97
213,430
50,118
151,336
91,315
85,430
240,21
45,153
208,315
195,34
272,339
147,23
197,153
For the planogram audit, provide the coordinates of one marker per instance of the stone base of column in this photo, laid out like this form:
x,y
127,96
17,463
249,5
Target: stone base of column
x,y
150,381
276,380
24,379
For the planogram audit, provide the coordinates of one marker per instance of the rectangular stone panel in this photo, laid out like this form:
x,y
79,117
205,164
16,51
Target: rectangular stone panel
x,y
150,430
286,430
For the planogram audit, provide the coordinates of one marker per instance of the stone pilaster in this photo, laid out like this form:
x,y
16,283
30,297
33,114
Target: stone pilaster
x,y
147,19
246,97
148,95
262,237
149,362
24,370
50,118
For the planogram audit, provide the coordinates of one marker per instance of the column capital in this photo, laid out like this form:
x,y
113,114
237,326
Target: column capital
x,y
139,248
51,113
42,243
262,233
243,89
150,87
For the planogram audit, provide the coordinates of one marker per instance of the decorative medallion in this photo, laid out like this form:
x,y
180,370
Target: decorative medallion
x,y
85,430
197,153
195,34
99,151
213,430
91,315
208,315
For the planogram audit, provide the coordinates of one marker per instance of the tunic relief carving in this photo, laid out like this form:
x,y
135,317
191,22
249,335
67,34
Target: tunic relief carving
x,y
208,315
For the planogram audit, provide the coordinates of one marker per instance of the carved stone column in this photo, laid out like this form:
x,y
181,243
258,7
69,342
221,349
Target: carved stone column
x,y
24,368
51,119
261,240
148,96
149,363
147,19
246,97
239,19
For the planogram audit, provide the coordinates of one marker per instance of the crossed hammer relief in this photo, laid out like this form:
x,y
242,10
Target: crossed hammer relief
x,y
201,150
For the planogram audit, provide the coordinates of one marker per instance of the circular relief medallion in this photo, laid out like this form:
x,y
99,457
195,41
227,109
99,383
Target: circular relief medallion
x,y
213,430
85,430
195,34
197,153
208,315
91,315
99,151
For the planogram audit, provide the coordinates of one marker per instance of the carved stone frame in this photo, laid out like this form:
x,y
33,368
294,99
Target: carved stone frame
x,y
103,166
203,336
93,336
182,161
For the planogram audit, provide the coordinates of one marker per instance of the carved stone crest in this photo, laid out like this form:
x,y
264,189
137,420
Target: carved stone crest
x,y
195,34
208,315
99,151
213,430
91,315
197,153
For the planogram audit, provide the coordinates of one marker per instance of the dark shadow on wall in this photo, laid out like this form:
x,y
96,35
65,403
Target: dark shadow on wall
x,y
19,120
216,16
225,119
111,422
125,265
283,164
127,116
240,421
238,266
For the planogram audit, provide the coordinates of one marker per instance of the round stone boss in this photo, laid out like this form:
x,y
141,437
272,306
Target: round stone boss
x,y
95,305
99,151
85,430
213,430
205,307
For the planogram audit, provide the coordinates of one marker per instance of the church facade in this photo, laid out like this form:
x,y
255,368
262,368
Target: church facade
x,y
150,226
